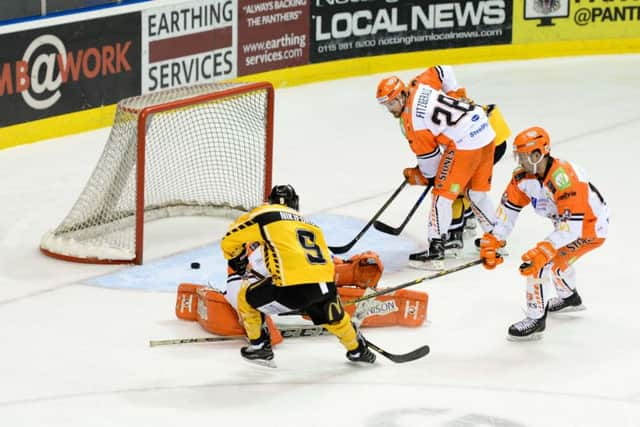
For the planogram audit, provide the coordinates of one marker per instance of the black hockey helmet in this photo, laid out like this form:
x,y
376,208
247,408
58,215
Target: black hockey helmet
x,y
284,195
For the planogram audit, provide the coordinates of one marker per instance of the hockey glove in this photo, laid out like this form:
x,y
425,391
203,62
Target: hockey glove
x,y
535,259
414,176
489,245
240,262
363,270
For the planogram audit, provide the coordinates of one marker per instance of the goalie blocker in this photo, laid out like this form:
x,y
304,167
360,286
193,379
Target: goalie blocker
x,y
404,307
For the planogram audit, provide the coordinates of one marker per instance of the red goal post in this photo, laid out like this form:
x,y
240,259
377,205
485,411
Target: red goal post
x,y
197,150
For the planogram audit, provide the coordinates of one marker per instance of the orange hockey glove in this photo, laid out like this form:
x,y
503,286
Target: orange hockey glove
x,y
489,245
414,176
535,259
363,270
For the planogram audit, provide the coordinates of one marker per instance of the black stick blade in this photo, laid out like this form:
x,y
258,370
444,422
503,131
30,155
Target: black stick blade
x,y
416,354
341,249
385,228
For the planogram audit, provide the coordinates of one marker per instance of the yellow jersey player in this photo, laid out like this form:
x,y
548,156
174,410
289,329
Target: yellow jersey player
x,y
301,276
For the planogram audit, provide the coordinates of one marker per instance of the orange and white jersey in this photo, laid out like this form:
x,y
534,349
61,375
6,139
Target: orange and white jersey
x,y
442,77
431,119
565,196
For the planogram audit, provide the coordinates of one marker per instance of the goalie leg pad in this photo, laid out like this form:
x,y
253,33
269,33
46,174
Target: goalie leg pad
x,y
213,312
187,301
216,315
403,307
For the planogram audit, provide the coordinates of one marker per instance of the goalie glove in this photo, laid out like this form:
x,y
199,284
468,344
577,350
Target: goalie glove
x,y
362,270
535,259
414,176
489,245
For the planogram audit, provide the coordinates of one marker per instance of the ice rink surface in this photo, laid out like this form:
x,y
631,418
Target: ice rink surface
x,y
76,354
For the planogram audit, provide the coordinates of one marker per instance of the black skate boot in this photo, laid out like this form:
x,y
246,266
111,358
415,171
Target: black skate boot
x,y
435,252
454,239
527,329
566,305
362,353
431,259
259,351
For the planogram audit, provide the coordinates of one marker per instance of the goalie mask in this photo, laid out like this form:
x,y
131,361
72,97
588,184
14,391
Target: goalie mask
x,y
284,195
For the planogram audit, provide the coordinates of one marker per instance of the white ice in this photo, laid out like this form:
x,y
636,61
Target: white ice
x,y
77,355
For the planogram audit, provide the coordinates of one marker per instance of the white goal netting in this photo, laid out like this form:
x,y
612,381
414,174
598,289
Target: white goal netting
x,y
206,151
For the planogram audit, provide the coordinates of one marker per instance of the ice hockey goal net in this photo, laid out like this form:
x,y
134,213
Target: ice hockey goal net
x,y
199,150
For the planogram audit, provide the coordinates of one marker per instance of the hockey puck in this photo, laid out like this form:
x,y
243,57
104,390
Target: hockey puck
x,y
195,265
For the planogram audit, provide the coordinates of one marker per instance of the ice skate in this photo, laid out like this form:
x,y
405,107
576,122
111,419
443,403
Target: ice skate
x,y
454,240
259,351
527,329
362,354
431,259
566,305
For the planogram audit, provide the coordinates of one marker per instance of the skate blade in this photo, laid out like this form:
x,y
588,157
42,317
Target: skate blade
x,y
536,336
262,362
427,265
570,309
455,248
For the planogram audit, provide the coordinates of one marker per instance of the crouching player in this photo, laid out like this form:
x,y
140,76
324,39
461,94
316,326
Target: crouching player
x,y
356,280
560,191
301,276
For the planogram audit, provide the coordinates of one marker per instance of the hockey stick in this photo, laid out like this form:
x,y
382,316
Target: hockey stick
x,y
345,248
400,358
287,332
415,282
400,286
385,228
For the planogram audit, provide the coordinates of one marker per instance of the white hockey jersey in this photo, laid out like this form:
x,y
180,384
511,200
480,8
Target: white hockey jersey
x,y
432,119
565,196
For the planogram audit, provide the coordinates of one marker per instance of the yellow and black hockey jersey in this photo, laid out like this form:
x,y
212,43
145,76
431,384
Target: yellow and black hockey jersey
x,y
295,250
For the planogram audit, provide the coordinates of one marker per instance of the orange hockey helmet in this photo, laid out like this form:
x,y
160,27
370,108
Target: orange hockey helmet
x,y
532,139
389,89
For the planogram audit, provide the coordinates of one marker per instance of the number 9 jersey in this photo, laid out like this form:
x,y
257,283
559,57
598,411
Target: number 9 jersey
x,y
295,250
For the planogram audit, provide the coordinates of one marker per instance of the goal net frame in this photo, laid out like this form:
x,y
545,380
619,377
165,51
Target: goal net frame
x,y
58,247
